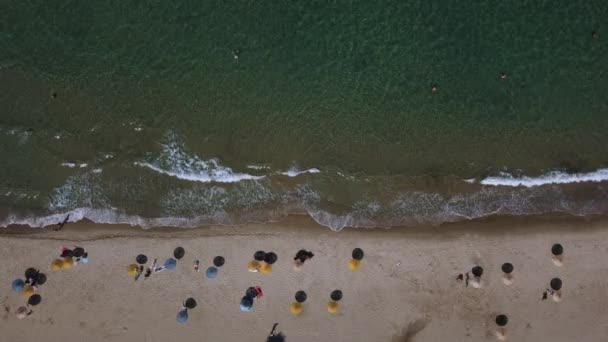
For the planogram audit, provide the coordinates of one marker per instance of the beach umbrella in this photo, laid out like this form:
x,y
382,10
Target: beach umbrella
x,y
301,296
179,253
132,270
332,307
211,272
251,292
295,308
18,285
67,263
57,264
557,249
67,253
170,263
358,254
190,303
41,279
78,252
354,264
556,284
182,316
336,295
254,266
259,255
266,269
477,271
501,320
34,300
85,260
22,312
219,261
270,258
246,303
276,338
507,268
141,259
31,273
27,291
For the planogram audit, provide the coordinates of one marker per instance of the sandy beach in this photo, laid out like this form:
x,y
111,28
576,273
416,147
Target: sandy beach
x,y
407,279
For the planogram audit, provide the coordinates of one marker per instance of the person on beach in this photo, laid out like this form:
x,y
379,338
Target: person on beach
x,y
23,311
61,224
463,277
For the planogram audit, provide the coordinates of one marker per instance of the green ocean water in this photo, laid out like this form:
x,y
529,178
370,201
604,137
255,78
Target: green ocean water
x,y
342,86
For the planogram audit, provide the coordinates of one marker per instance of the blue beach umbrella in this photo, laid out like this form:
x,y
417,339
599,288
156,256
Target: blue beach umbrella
x,y
170,263
18,285
246,304
182,316
211,272
85,260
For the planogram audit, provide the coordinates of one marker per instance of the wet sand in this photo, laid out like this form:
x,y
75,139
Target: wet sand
x,y
407,279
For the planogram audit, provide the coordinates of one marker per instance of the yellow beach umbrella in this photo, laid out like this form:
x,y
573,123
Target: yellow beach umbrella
x,y
295,308
27,291
68,262
332,307
56,265
266,269
254,266
132,269
354,264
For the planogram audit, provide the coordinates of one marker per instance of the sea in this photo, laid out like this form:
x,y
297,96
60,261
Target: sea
x,y
356,113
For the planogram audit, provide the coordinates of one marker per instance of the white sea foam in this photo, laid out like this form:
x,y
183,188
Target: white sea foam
x,y
258,167
555,177
68,164
175,162
293,172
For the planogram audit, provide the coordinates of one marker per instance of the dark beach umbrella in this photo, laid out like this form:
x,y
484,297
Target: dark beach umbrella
x,y
301,296
251,293
336,295
259,255
34,300
41,279
556,284
557,249
358,254
141,259
179,253
501,320
190,303
270,258
78,252
219,261
477,271
31,273
67,253
276,338
507,267
182,316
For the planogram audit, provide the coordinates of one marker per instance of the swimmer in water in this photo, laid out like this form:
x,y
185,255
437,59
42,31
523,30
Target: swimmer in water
x,y
503,75
434,88
236,53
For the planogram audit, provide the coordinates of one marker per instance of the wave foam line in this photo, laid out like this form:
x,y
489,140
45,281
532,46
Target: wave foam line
x,y
219,176
295,172
555,177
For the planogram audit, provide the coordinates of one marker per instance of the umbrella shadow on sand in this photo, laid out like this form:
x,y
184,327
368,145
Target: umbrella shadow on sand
x,y
407,334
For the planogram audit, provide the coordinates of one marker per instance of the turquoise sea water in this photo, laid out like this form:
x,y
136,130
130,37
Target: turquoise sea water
x,y
144,96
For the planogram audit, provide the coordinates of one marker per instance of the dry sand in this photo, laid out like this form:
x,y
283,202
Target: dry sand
x,y
406,280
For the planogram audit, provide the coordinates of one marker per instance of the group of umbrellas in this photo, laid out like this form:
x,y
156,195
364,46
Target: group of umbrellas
x,y
251,294
136,270
182,315
68,257
27,288
262,262
297,308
